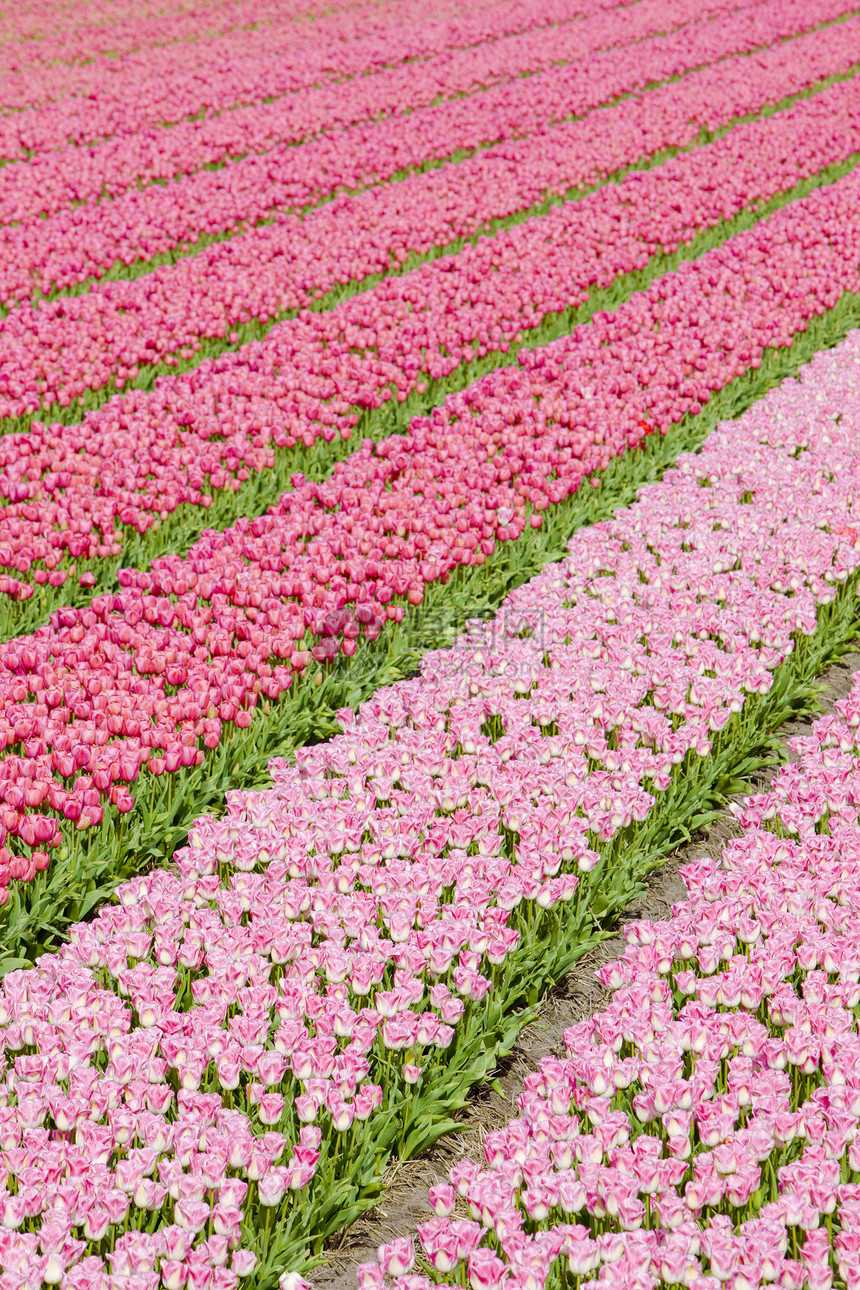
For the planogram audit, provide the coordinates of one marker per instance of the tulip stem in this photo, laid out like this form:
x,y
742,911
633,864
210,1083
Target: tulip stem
x,y
266,1231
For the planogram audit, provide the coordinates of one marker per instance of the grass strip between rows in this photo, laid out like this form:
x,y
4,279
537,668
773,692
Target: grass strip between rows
x,y
89,863
120,271
256,495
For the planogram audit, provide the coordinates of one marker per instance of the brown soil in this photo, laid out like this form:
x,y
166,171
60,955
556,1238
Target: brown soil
x,y
577,996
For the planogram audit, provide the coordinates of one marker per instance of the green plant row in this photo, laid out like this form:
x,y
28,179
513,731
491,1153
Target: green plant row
x,y
256,495
254,329
89,864
551,943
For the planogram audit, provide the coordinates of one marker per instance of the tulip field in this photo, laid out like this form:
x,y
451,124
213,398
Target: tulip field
x,y
429,483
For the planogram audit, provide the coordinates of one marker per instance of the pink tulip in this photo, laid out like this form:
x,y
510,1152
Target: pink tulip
x,y
137,312
397,1257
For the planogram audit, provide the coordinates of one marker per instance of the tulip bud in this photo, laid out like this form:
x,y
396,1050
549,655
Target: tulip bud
x,y
173,1274
243,1262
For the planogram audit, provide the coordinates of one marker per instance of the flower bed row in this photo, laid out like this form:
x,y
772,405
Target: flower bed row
x,y
54,181
227,1057
140,458
703,1129
351,39
247,67
111,334
69,247
61,37
64,40
98,706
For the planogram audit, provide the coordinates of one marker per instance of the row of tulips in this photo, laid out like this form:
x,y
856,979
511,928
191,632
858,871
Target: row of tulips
x,y
140,40
704,1129
55,34
196,1082
104,701
86,867
31,39
138,459
67,349
244,67
72,245
53,181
